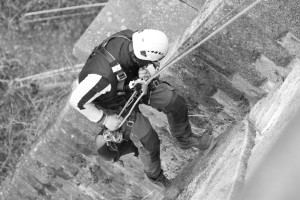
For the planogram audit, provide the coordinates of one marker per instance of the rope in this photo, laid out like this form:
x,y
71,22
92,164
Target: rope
x,y
215,25
172,62
64,9
60,17
130,111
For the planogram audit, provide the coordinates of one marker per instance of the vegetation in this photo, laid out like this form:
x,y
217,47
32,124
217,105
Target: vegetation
x,y
27,47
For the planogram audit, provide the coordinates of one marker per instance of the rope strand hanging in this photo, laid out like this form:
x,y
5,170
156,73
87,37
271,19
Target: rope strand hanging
x,y
189,50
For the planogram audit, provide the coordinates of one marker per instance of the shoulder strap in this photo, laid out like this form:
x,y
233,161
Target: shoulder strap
x,y
115,66
114,36
110,57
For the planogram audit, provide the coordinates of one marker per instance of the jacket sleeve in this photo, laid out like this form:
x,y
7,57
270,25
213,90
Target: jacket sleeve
x,y
88,90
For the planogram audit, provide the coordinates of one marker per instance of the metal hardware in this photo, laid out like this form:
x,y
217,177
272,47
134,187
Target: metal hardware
x,y
155,83
113,136
121,76
130,124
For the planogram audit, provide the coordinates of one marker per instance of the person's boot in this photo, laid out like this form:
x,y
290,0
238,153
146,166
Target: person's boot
x,y
162,181
201,142
170,191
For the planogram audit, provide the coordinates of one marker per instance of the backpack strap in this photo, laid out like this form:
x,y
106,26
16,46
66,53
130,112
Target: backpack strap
x,y
112,37
113,63
115,66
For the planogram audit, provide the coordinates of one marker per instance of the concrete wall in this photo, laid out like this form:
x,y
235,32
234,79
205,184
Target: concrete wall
x,y
253,56
273,113
278,175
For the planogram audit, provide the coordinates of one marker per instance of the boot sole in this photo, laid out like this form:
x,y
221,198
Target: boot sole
x,y
197,146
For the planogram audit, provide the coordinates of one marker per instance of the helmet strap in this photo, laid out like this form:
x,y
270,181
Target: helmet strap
x,y
139,62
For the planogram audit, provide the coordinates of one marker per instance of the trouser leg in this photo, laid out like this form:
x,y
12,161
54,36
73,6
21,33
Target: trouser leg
x,y
146,140
165,99
177,114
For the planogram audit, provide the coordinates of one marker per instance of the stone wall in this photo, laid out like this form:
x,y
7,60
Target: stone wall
x,y
273,113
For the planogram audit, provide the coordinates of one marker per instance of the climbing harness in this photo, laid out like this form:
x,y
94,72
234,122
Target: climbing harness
x,y
113,63
113,136
117,136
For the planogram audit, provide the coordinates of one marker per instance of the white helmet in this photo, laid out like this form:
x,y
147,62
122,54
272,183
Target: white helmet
x,y
150,44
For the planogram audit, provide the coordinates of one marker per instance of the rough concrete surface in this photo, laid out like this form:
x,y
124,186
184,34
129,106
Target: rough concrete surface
x,y
221,167
272,113
195,4
278,175
63,165
291,43
277,17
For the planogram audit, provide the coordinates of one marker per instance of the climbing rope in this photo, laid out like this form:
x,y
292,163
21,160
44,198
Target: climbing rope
x,y
189,50
215,25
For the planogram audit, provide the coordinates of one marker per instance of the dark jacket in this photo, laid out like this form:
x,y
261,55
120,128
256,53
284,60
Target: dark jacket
x,y
97,83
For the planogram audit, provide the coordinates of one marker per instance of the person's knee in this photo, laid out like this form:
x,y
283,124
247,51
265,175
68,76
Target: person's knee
x,y
141,127
178,108
161,96
151,143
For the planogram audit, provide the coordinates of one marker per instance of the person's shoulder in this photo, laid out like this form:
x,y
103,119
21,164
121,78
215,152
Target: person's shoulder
x,y
127,32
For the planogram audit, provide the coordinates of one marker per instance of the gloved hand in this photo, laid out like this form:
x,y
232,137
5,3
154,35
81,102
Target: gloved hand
x,y
112,122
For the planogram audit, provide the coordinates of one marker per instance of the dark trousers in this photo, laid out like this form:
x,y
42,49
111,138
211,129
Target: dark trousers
x,y
145,138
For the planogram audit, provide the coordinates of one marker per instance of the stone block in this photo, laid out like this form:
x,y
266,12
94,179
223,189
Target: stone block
x,y
291,43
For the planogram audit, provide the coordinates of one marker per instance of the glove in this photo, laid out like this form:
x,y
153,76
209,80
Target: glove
x,y
112,122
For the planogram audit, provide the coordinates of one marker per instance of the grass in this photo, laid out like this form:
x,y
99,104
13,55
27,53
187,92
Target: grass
x,y
27,49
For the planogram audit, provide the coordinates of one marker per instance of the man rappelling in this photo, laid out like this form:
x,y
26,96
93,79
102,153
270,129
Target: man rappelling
x,y
111,81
